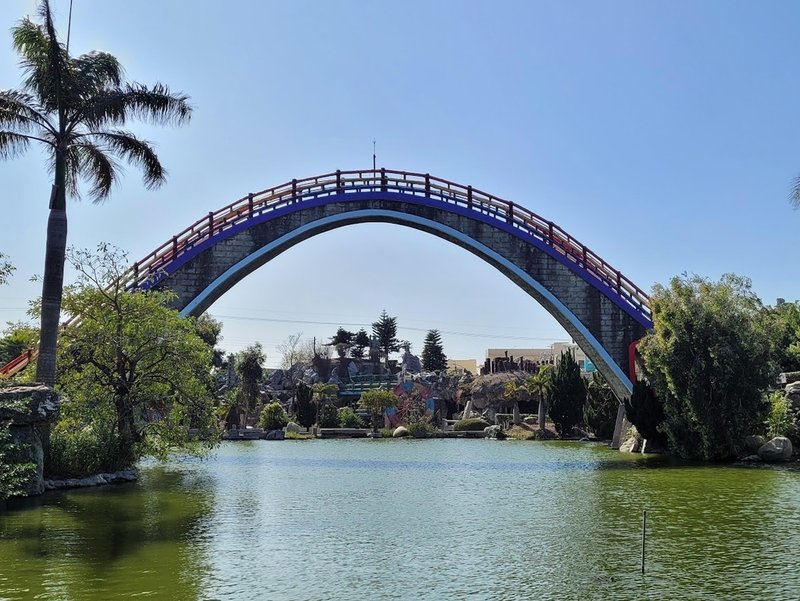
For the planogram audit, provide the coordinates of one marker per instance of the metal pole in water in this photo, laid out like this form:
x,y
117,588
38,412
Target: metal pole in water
x,y
644,532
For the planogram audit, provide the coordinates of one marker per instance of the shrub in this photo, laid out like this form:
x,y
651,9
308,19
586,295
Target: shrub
x,y
273,417
77,451
645,411
471,424
420,429
600,410
349,419
14,469
328,416
779,418
306,412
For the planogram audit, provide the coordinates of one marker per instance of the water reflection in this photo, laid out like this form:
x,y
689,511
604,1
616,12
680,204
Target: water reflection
x,y
94,544
434,519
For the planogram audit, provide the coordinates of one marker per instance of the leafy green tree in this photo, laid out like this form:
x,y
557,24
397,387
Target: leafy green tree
x,y
360,344
210,330
645,411
433,357
273,417
75,107
568,395
377,401
250,367
385,330
131,361
6,268
349,419
600,410
342,341
709,361
17,338
783,320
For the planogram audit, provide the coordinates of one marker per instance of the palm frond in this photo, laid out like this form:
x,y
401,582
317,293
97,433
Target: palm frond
x,y
135,151
22,111
157,105
12,144
96,166
97,71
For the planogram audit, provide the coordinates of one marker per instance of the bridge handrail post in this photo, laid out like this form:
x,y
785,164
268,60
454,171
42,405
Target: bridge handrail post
x,y
469,197
174,246
510,214
250,204
384,181
136,274
338,181
294,191
428,185
210,223
550,232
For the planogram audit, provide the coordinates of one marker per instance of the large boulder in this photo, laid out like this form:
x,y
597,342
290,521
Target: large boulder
x,y
754,442
632,445
30,409
293,427
400,431
777,449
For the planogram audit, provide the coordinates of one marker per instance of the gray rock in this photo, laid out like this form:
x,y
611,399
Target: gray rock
x,y
754,442
399,432
293,427
632,445
752,459
494,432
274,435
777,449
411,363
30,409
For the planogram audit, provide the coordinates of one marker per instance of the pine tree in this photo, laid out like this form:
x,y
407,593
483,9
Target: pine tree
x,y
361,343
568,395
385,330
433,357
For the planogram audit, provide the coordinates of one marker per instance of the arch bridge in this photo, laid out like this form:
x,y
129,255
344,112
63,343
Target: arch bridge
x,y
603,311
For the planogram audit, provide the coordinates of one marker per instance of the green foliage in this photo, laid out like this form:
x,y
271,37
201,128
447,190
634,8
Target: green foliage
x,y
377,401
783,322
250,367
420,429
17,338
433,357
471,424
780,421
273,417
328,416
645,411
306,412
708,360
568,395
600,410
134,358
342,341
385,330
361,342
15,469
209,330
6,269
349,419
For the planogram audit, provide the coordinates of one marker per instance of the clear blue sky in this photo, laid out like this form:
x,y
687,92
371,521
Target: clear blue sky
x,y
664,135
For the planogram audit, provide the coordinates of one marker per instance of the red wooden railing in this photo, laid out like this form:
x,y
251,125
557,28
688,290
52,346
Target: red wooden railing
x,y
298,191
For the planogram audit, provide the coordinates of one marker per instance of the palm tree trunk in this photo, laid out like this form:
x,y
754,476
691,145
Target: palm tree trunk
x,y
542,412
53,281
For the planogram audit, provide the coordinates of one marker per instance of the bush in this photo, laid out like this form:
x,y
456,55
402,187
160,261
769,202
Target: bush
x,y
328,416
77,452
600,410
15,470
349,419
779,419
306,412
420,429
273,417
471,424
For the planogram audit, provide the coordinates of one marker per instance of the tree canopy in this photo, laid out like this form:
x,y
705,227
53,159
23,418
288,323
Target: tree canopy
x,y
77,107
433,357
385,330
132,366
708,360
568,395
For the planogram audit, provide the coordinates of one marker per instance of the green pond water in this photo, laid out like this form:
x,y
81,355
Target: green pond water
x,y
412,519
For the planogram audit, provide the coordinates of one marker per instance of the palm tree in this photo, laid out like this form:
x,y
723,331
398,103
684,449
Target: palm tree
x,y
75,107
541,384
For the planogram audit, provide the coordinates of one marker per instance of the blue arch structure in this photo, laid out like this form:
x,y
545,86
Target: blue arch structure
x,y
593,301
